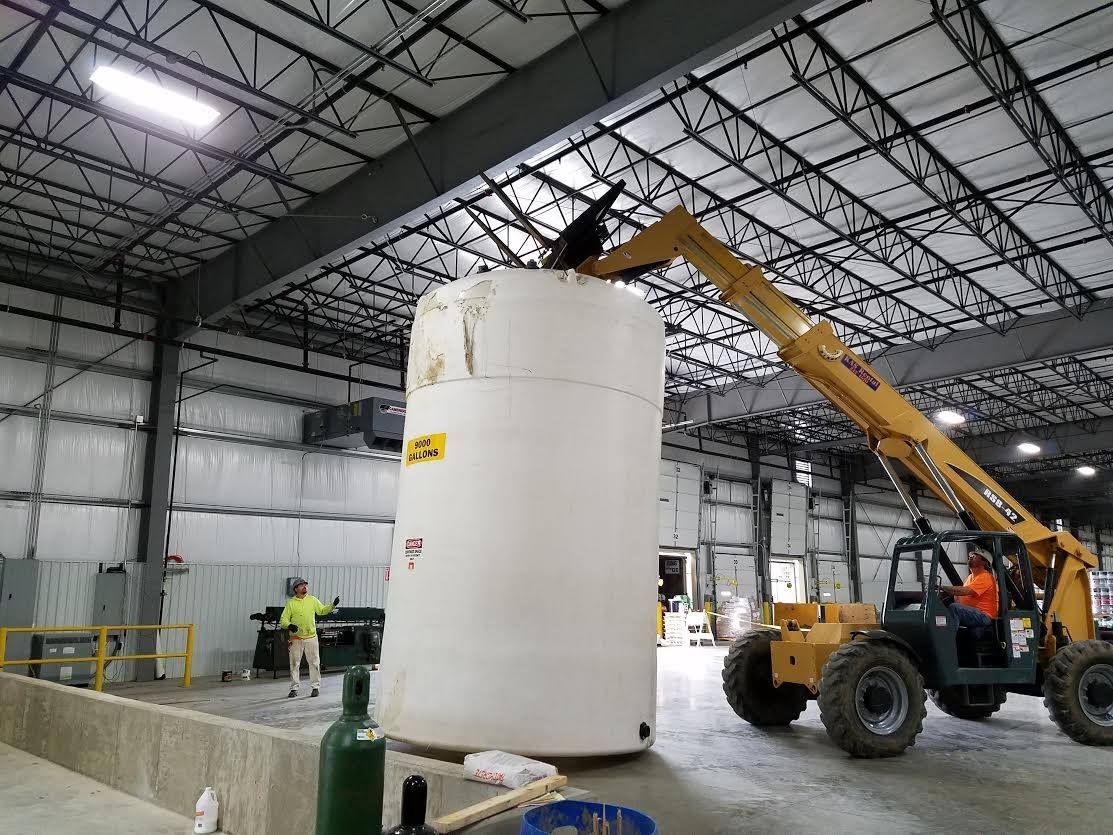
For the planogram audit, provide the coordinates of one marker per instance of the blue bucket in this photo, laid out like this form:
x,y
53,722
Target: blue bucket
x,y
544,819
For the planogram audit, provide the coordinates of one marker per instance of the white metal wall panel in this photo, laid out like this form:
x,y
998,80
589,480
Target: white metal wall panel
x,y
65,593
241,415
219,599
227,538
87,533
17,452
99,461
102,395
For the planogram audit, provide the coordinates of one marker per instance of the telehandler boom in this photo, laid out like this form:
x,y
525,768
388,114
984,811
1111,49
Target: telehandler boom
x,y
869,674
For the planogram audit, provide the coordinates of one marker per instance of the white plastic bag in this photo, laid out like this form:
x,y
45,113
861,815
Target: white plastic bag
x,y
502,769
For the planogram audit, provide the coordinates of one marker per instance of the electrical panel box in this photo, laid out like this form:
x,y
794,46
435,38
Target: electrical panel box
x,y
19,582
59,645
109,590
375,423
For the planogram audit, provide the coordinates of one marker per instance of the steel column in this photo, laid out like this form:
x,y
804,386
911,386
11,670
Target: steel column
x,y
156,493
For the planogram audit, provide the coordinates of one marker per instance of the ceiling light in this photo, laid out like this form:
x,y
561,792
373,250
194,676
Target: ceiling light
x,y
950,417
153,97
1028,448
620,283
1085,470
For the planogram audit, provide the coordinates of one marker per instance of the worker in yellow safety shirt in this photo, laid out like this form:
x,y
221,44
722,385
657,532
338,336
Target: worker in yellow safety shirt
x,y
299,618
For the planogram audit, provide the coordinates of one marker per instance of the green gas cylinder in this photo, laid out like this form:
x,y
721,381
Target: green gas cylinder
x,y
353,762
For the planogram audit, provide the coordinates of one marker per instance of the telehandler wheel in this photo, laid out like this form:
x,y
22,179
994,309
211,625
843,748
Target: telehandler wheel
x,y
950,702
871,699
1078,691
748,683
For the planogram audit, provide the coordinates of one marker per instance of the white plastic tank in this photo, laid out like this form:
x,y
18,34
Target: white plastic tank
x,y
521,604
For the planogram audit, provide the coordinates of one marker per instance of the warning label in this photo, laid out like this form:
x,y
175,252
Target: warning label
x,y
425,448
413,551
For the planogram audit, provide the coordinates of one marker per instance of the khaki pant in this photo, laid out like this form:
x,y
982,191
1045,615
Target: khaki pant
x,y
311,650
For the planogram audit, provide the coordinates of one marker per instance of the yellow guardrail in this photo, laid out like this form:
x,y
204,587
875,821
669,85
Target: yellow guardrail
x,y
102,644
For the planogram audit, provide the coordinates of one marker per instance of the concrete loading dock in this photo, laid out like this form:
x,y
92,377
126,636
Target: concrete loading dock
x,y
708,770
204,332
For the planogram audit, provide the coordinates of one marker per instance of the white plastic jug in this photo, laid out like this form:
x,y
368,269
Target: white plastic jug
x,y
208,810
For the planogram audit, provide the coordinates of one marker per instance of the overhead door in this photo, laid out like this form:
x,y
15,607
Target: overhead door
x,y
678,499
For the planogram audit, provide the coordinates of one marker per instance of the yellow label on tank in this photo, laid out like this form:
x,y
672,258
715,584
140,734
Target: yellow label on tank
x,y
425,448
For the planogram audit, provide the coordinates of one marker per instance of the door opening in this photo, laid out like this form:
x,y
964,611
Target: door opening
x,y
787,579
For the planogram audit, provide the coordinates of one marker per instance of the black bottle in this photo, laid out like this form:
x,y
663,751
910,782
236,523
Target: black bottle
x,y
414,795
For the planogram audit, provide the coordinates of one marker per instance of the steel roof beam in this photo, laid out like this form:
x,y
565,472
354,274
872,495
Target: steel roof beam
x,y
315,24
171,57
218,9
1035,338
867,230
497,129
1072,438
109,114
992,61
835,84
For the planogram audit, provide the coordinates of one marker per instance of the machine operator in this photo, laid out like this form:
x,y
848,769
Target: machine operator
x,y
978,594
300,619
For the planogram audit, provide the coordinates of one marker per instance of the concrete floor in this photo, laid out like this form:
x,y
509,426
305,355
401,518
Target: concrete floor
x,y
39,797
710,772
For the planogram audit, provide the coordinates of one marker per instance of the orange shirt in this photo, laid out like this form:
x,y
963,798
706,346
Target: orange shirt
x,y
985,593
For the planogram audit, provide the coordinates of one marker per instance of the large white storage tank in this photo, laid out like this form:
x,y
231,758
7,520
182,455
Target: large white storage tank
x,y
523,578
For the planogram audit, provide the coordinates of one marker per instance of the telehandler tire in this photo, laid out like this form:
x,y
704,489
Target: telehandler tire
x,y
748,684
1078,691
871,699
948,701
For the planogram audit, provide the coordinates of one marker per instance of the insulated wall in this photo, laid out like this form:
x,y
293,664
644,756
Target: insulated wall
x,y
73,436
71,446
252,505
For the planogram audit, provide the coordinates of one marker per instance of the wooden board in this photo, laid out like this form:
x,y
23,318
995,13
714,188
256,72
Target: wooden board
x,y
494,805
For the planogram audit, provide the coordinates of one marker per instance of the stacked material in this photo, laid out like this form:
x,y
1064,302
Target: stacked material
x,y
676,629
734,618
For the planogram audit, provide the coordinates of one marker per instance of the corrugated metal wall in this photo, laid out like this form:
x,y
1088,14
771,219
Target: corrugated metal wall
x,y
220,597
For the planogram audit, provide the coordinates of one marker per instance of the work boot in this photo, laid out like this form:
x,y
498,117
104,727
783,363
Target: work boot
x,y
314,692
291,694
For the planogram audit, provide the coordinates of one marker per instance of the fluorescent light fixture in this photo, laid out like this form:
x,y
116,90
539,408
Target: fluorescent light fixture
x,y
949,417
675,425
153,97
1028,448
1085,470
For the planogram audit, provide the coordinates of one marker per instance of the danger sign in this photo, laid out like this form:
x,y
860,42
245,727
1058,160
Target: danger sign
x,y
426,448
413,551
